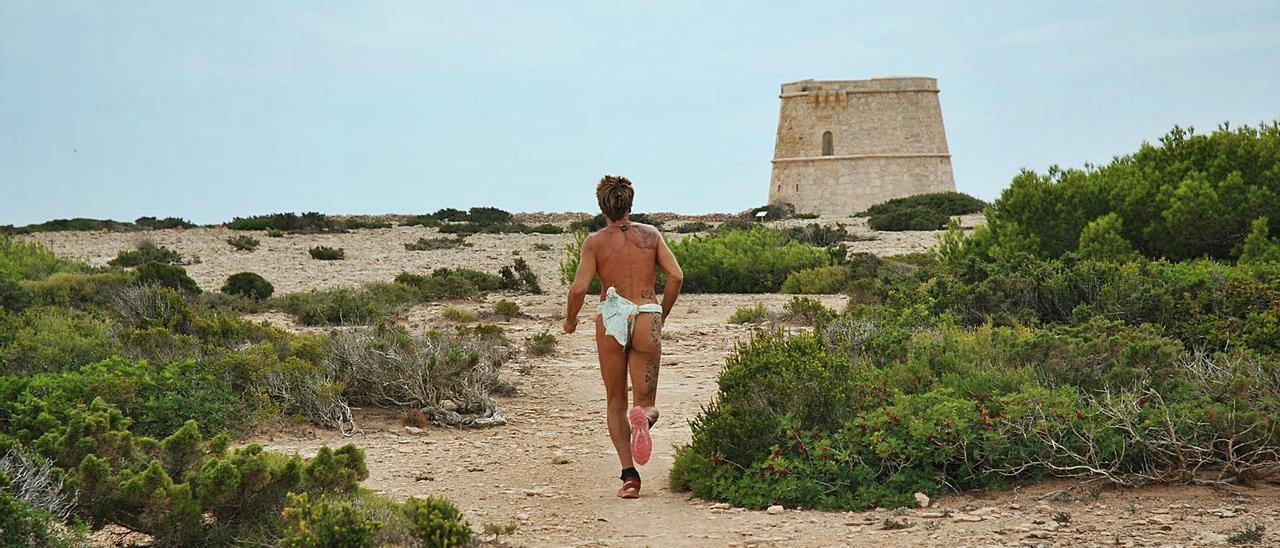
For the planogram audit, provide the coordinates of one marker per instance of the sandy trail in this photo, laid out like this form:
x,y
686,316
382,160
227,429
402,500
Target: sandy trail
x,y
506,475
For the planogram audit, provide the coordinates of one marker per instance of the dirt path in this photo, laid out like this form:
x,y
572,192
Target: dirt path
x,y
552,472
506,475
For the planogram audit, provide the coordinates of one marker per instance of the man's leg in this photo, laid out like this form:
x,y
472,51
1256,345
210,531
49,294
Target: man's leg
x,y
613,370
643,361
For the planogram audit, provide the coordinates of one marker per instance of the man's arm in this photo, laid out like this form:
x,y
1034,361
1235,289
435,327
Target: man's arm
x,y
675,277
581,281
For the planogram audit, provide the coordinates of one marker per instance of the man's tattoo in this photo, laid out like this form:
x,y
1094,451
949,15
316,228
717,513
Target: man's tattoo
x,y
647,294
646,237
651,372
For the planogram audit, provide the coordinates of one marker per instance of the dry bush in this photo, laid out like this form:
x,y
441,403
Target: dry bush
x,y
304,389
33,481
145,306
450,378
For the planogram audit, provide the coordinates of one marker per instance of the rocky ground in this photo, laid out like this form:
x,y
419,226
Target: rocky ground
x,y
551,471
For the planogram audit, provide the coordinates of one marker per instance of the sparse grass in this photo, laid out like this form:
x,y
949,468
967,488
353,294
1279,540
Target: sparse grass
x,y
542,246
415,418
457,314
497,529
541,344
750,314
1248,535
506,309
325,253
243,242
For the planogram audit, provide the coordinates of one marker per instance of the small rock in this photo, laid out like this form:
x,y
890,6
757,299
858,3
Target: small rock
x,y
922,499
559,458
775,509
721,506
968,518
413,430
1210,537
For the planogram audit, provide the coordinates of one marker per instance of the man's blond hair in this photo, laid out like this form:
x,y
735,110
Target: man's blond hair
x,y
614,194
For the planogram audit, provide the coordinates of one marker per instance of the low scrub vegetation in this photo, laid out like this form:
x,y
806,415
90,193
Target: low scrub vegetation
x,y
541,344
998,361
431,244
310,222
692,226
121,393
249,285
506,309
243,242
599,221
146,251
81,224
326,253
921,212
744,261
756,313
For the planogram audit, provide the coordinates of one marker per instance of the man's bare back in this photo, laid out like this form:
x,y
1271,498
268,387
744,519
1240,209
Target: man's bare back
x,y
627,259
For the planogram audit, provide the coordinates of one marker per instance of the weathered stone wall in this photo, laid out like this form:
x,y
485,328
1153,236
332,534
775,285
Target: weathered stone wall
x,y
887,141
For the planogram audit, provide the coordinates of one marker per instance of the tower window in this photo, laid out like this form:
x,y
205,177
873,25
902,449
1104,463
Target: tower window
x,y
797,188
828,144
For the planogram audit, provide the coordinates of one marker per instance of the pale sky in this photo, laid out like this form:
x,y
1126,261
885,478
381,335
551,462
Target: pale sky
x,y
209,110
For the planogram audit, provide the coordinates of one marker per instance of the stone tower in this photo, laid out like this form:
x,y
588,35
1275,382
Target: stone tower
x,y
844,145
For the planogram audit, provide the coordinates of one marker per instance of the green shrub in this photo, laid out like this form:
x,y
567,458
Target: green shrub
x,y
338,306
573,257
1103,240
542,246
310,222
76,289
599,222
359,224
808,311
946,203
818,235
821,280
153,223
750,314
78,224
544,228
506,309
737,224
1258,246
909,218
325,253
520,276
429,244
146,306
30,261
275,233
747,261
323,521
166,275
1186,196
146,252
23,525
693,226
806,216
773,212
45,339
541,344
437,522
457,314
249,285
243,242
441,284
13,296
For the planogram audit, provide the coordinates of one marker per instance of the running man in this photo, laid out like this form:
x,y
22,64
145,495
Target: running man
x,y
626,256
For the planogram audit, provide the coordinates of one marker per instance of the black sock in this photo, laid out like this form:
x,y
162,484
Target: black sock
x,y
630,474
